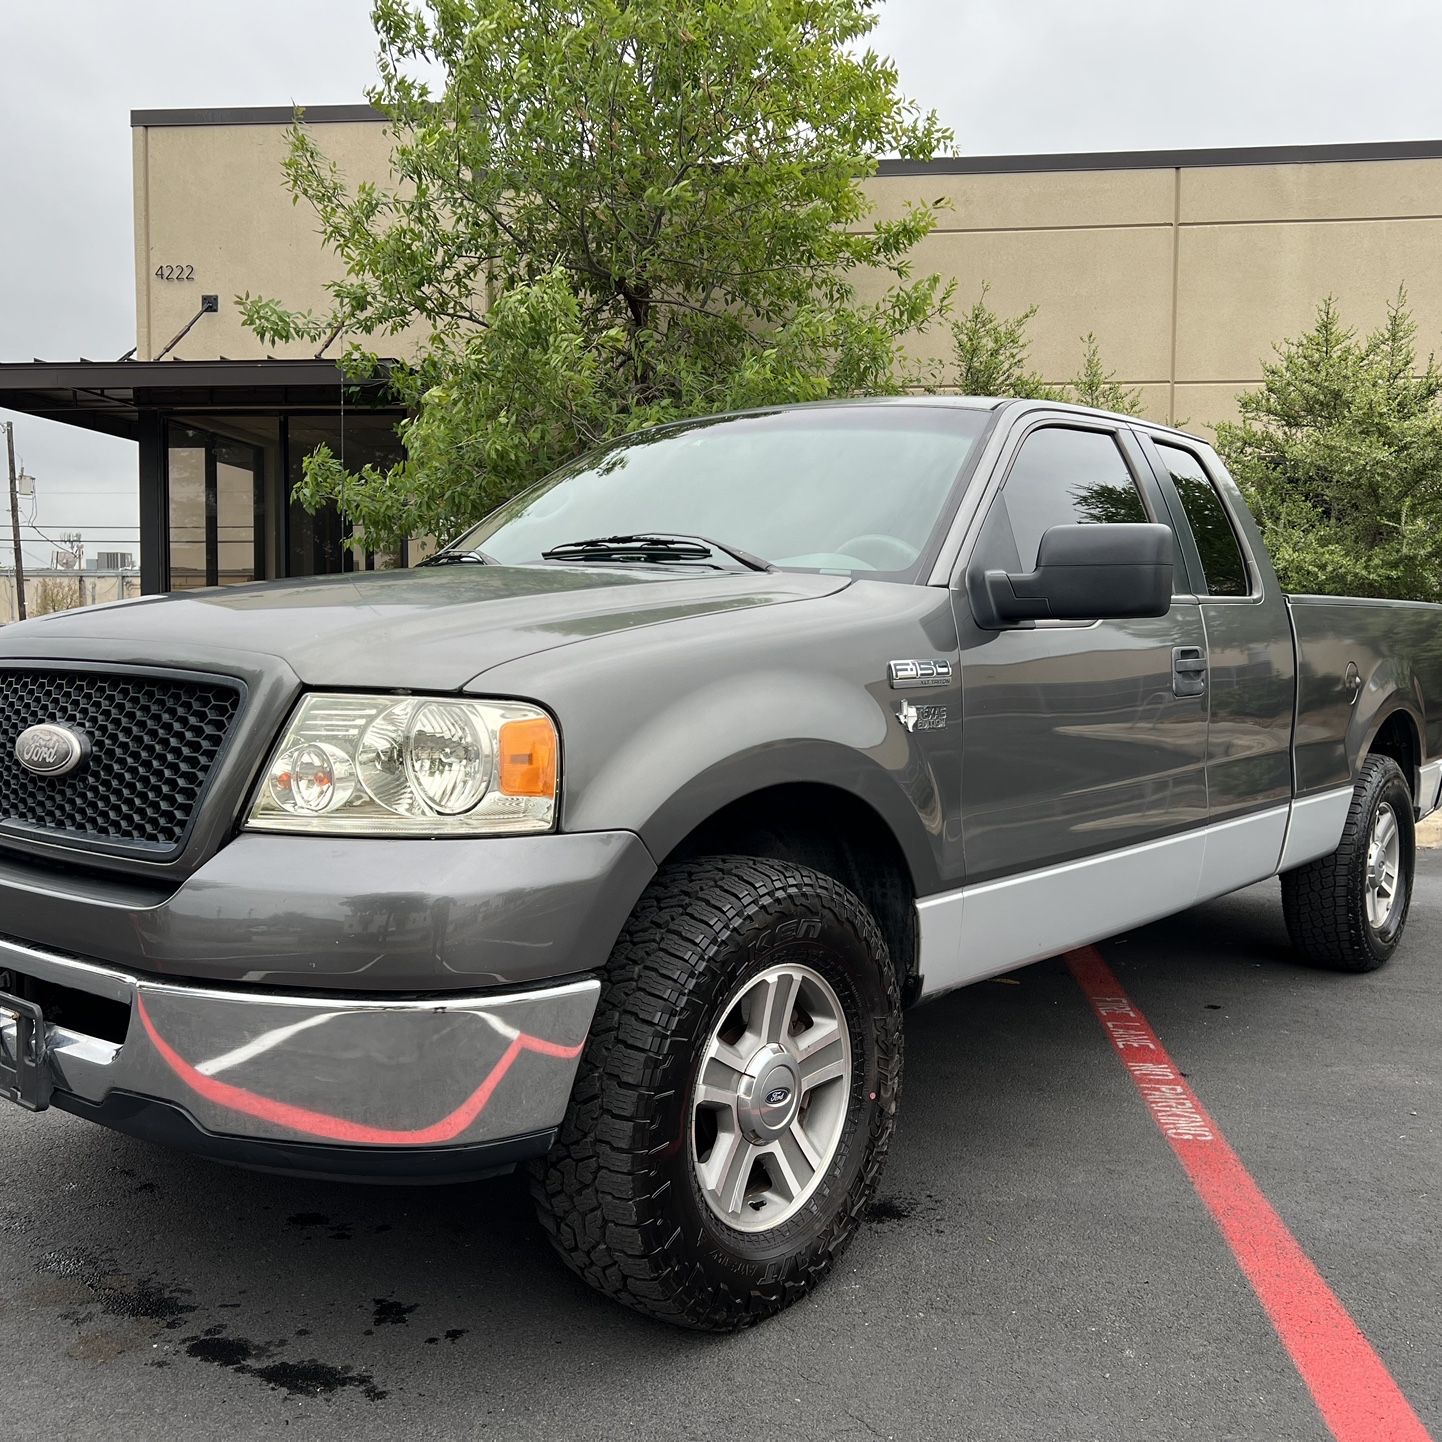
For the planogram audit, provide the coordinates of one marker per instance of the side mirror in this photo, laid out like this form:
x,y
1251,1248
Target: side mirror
x,y
1083,573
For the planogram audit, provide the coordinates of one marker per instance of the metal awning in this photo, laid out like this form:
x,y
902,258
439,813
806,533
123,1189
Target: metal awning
x,y
110,396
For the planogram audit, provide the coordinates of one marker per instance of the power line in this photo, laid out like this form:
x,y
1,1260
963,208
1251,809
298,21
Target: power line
x,y
59,546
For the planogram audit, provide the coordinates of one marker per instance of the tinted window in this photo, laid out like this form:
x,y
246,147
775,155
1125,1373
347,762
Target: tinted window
x,y
1063,477
1226,571
852,488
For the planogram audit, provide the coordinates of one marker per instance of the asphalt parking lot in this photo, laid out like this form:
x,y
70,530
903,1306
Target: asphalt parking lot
x,y
1038,1266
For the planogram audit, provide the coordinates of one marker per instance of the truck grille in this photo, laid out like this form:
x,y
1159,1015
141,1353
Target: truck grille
x,y
154,741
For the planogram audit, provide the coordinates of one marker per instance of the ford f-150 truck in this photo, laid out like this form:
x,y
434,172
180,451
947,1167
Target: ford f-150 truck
x,y
615,839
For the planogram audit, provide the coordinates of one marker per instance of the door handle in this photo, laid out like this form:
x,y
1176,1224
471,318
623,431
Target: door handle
x,y
1189,671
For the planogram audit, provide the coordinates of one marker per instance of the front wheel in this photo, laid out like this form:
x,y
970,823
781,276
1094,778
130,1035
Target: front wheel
x,y
1347,910
733,1107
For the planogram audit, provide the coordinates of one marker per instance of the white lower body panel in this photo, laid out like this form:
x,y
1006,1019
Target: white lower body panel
x,y
979,931
1243,850
1429,792
1315,827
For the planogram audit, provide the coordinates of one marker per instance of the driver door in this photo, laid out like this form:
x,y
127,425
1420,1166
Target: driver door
x,y
1084,743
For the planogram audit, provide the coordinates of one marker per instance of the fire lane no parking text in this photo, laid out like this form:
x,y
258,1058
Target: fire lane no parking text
x,y
1353,1390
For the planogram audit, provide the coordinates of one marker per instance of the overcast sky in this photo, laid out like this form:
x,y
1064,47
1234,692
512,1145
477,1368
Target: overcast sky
x,y
1007,75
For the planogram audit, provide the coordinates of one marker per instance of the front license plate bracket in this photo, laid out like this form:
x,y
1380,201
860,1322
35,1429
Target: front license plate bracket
x,y
24,1066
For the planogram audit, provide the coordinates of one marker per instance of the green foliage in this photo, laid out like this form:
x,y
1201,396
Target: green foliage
x,y
1339,452
992,358
1095,385
991,352
608,213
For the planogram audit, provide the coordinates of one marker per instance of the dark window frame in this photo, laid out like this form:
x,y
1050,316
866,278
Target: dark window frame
x,y
1181,521
210,485
1248,584
156,530
349,560
1136,467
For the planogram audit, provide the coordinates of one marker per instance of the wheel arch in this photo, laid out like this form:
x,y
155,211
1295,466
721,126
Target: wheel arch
x,y
1398,733
830,829
790,760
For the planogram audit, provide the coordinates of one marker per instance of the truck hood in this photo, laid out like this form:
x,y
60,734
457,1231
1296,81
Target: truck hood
x,y
431,629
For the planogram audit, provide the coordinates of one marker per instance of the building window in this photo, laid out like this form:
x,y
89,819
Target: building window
x,y
216,475
228,483
189,508
320,544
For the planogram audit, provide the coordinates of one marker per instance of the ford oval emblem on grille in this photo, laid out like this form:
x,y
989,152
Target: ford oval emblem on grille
x,y
51,749
777,1095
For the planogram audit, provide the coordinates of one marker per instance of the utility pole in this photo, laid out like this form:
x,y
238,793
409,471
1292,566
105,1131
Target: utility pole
x,y
77,549
15,523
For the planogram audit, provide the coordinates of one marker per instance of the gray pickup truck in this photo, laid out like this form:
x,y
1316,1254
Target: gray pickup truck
x,y
615,840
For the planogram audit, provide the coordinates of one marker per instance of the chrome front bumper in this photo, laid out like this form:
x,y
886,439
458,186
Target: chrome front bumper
x,y
323,1072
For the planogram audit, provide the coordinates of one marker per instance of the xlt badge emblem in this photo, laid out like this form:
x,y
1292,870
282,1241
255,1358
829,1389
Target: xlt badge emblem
x,y
51,749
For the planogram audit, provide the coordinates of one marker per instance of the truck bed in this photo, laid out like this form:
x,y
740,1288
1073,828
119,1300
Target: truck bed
x,y
1396,650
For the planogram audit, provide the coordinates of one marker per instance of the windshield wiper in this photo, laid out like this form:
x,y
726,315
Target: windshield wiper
x,y
652,548
459,558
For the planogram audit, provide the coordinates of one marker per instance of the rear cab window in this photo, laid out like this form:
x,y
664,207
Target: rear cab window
x,y
1223,563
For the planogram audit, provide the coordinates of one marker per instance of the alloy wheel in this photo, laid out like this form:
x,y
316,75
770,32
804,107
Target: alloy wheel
x,y
771,1097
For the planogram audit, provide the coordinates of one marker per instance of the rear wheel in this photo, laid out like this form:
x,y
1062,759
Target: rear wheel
x,y
1347,911
736,1097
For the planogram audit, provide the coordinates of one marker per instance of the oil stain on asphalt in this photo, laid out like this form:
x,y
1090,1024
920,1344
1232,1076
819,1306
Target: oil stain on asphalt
x,y
890,1209
88,1285
390,1313
308,1378
115,1291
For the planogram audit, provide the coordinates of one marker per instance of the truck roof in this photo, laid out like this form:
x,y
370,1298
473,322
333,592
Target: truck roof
x,y
952,402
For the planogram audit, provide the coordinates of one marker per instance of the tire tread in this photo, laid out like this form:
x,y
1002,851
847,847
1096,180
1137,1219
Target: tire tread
x,y
1319,900
594,1192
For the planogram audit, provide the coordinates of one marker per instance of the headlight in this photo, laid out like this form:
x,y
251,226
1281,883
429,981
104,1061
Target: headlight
x,y
410,766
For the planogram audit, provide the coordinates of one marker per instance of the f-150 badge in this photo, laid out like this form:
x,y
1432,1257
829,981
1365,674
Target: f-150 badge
x,y
921,718
902,674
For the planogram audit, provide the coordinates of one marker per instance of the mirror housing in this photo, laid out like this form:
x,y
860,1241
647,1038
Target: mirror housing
x,y
1083,573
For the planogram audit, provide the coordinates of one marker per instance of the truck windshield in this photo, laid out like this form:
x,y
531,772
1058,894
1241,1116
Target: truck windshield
x,y
850,488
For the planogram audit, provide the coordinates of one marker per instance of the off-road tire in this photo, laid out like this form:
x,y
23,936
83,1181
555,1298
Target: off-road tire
x,y
617,1194
1324,902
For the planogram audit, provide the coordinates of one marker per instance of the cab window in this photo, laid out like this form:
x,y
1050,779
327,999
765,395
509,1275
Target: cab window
x,y
1064,477
1222,561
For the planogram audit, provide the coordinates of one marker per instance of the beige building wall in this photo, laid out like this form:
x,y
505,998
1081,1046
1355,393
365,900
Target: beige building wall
x,y
1259,246
1188,275
211,204
1188,272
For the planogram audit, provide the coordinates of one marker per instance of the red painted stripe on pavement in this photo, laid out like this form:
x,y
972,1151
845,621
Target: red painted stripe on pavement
x,y
341,1129
1353,1390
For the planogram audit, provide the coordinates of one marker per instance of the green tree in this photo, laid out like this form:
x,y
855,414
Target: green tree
x,y
991,355
1339,452
607,213
1095,385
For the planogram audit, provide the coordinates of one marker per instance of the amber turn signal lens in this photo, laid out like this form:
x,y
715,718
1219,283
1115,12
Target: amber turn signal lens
x,y
528,758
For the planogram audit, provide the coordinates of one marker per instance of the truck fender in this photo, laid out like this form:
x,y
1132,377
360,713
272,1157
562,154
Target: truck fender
x,y
1391,686
718,743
